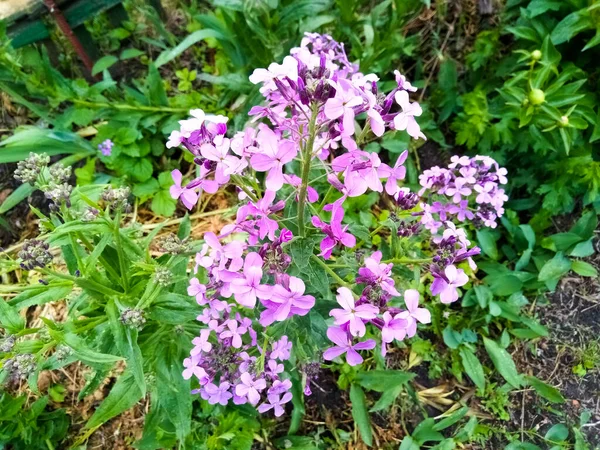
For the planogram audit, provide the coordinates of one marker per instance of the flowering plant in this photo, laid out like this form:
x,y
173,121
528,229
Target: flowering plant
x,y
266,282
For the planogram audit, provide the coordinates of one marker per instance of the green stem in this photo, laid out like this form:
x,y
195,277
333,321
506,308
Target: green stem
x,y
121,255
240,183
408,261
334,275
82,282
306,161
126,107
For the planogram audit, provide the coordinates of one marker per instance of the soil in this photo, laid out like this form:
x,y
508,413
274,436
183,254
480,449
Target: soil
x,y
572,316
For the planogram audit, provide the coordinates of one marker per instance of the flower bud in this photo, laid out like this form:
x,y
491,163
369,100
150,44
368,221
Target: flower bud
x,y
163,276
35,254
21,366
29,169
536,55
563,122
537,97
133,318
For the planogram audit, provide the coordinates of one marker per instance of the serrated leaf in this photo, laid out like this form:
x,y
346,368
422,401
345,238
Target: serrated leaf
x,y
10,318
124,395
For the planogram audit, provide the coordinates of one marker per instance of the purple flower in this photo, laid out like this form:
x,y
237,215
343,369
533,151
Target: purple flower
x,y
188,196
352,315
336,234
193,369
197,290
201,343
248,287
342,105
398,172
234,332
106,147
216,394
250,388
377,273
273,154
414,313
286,301
405,120
281,349
276,402
446,285
344,345
394,327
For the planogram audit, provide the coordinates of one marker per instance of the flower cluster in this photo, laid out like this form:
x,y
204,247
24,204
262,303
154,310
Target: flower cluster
x,y
35,253
319,112
373,306
469,189
105,147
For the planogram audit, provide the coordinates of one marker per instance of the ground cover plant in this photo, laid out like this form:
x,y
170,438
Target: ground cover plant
x,y
321,253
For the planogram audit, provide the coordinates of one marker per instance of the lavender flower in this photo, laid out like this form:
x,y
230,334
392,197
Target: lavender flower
x,y
106,147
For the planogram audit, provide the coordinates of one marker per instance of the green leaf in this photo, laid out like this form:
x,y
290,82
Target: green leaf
x,y
10,318
503,362
301,250
550,393
124,395
146,189
473,367
555,268
451,419
383,380
408,443
557,433
163,204
192,39
129,53
487,242
40,296
156,88
584,269
387,400
360,414
86,354
16,197
104,63
570,26
126,341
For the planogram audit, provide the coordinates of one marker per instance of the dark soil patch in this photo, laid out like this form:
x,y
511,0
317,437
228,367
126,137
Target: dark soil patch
x,y
573,319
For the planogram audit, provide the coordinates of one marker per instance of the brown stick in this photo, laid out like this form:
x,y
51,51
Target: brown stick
x,y
68,32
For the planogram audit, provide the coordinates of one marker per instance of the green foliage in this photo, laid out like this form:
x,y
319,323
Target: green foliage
x,y
32,426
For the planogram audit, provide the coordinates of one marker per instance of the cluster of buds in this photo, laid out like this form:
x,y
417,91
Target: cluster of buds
x,y
35,254
29,169
21,366
7,344
58,189
117,198
163,276
174,245
133,318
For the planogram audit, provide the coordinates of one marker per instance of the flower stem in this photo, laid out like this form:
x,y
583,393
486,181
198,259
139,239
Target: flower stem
x,y
306,160
130,107
334,275
408,261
